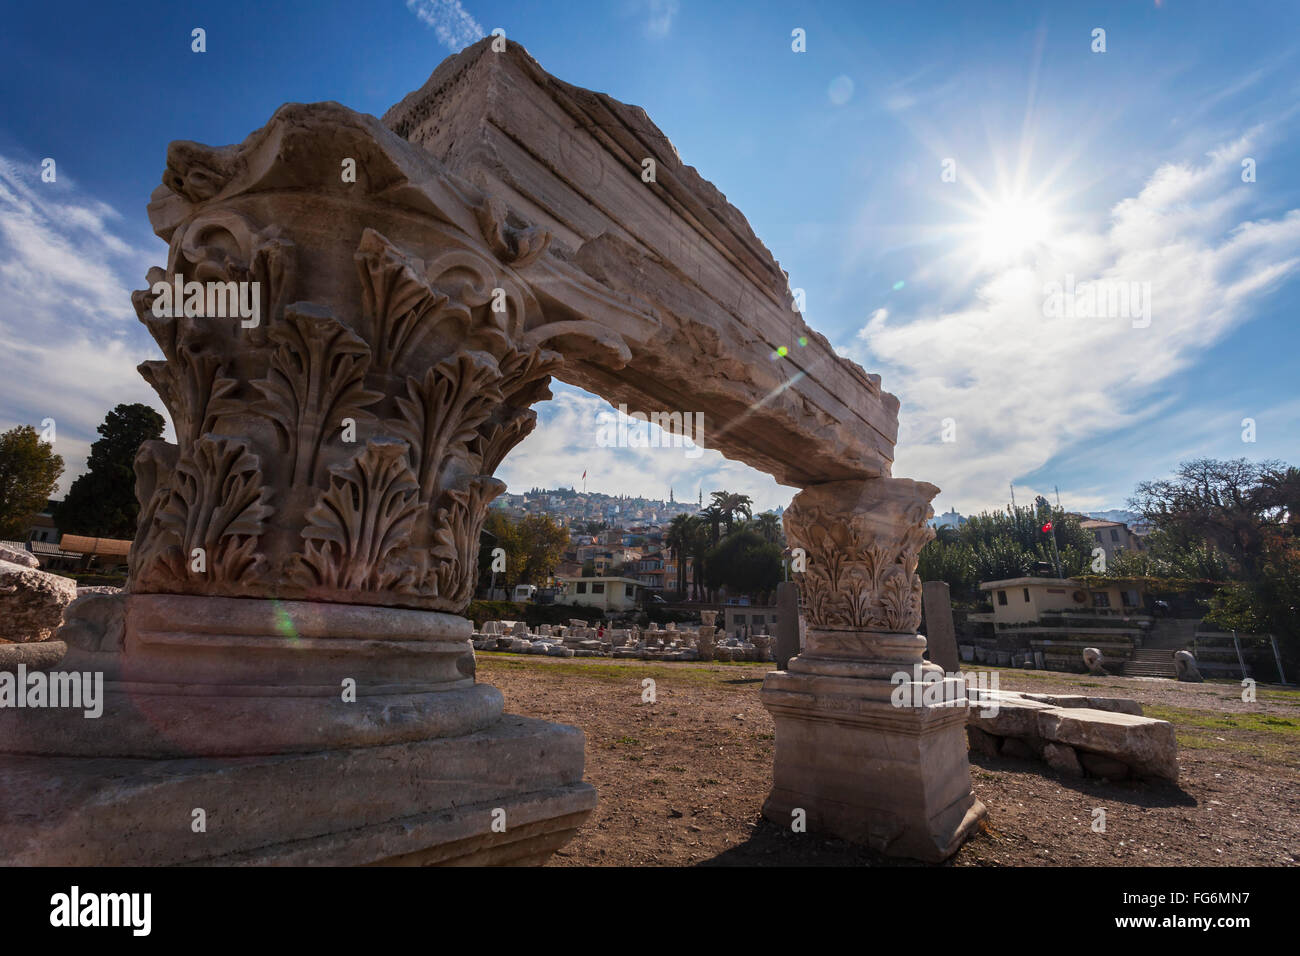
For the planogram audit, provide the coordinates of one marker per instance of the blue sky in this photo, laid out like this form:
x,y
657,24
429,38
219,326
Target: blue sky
x,y
1122,167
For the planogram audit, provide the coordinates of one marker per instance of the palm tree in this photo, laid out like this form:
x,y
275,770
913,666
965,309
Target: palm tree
x,y
678,538
699,545
769,526
714,516
732,505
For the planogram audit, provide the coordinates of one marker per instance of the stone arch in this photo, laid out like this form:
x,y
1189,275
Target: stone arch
x,y
335,459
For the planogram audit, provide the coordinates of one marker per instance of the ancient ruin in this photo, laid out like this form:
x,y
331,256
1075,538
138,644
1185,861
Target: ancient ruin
x,y
290,656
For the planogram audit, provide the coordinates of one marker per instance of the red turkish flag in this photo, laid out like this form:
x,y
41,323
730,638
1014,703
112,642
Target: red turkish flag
x,y
1047,528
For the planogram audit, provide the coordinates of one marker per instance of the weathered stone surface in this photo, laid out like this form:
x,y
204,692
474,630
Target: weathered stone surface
x,y
1092,660
1014,717
1119,705
1146,745
32,602
940,635
787,624
693,301
37,656
1062,759
22,558
894,777
428,801
1185,667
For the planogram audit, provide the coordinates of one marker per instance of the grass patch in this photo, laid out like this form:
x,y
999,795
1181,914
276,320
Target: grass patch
x,y
1209,720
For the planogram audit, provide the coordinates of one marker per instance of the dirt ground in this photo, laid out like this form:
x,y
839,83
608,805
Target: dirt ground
x,y
681,780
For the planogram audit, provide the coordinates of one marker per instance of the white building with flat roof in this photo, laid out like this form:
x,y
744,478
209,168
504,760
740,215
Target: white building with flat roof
x,y
606,593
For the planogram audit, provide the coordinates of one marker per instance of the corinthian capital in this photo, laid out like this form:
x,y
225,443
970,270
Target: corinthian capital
x,y
860,541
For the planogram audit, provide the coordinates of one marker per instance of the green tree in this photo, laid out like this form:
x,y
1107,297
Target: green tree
x,y
769,526
1238,520
678,539
29,471
730,506
744,563
533,547
102,501
947,558
714,518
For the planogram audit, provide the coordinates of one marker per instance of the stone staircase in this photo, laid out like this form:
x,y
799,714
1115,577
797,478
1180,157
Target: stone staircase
x,y
1155,658
1150,662
1171,634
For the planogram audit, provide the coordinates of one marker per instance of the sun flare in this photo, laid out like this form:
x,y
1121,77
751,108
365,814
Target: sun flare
x,y
1009,228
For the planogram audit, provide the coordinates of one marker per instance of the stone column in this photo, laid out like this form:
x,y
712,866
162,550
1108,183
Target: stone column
x,y
307,546
787,626
858,748
940,636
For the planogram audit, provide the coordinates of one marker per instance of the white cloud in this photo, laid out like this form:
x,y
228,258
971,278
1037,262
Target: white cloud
x,y
659,17
1023,388
455,27
566,443
68,332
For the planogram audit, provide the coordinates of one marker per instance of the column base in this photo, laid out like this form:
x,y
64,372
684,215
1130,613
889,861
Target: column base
x,y
430,802
896,779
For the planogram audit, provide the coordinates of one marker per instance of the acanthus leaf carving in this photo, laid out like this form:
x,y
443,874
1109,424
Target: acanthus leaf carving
x,y
400,305
216,502
861,554
360,521
316,379
443,413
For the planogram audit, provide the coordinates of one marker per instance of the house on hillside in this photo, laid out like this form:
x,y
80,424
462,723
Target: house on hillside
x,y
1112,536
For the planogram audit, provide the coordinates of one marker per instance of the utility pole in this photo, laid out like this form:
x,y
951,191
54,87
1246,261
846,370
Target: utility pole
x,y
1013,496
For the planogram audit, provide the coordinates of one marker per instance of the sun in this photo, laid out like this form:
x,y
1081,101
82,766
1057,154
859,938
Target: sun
x,y
1011,227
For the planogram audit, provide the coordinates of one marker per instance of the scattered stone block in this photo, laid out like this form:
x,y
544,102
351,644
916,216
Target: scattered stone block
x,y
1147,746
32,602
1063,759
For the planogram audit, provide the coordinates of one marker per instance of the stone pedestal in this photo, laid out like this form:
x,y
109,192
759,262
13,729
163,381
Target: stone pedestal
x,y
895,779
858,748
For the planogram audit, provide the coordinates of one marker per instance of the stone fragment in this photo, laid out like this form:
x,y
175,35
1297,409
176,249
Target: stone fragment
x,y
1185,667
24,558
32,602
1062,759
1147,746
1092,660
